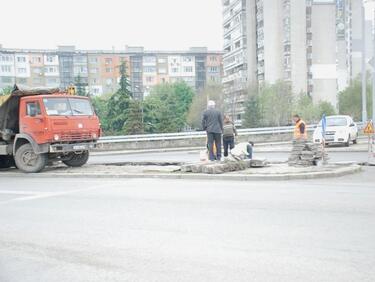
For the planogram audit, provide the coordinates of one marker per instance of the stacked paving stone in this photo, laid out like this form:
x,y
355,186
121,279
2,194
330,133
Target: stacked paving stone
x,y
306,154
222,167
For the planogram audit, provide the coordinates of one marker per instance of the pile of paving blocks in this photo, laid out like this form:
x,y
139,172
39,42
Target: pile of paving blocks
x,y
224,166
306,154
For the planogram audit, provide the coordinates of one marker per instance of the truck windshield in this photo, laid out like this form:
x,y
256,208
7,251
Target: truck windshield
x,y
67,107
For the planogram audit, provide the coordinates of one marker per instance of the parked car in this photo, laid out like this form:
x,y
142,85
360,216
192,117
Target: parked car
x,y
339,130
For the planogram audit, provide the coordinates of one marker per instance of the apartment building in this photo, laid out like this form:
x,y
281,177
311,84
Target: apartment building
x,y
99,70
312,45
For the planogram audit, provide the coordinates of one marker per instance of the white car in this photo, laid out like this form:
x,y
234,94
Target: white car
x,y
339,130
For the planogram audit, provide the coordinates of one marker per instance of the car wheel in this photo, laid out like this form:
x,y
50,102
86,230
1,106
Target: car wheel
x,y
347,143
355,141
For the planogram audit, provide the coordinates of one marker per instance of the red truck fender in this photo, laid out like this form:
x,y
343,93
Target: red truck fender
x,y
21,139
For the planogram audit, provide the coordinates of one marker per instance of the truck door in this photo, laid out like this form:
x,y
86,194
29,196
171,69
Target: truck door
x,y
32,121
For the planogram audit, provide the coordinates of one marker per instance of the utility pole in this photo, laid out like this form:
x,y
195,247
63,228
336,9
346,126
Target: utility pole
x,y
373,72
364,100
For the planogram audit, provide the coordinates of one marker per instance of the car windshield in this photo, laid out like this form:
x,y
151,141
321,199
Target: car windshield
x,y
67,107
335,121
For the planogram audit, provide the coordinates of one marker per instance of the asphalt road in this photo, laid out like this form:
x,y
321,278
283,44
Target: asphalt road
x,y
191,156
173,230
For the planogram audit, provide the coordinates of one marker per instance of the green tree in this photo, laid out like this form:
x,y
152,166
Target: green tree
x,y
6,90
100,105
276,102
305,108
165,109
134,122
199,104
350,100
326,108
253,115
80,86
118,103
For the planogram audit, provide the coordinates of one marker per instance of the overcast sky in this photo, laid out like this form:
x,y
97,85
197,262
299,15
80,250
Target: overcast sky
x,y
101,24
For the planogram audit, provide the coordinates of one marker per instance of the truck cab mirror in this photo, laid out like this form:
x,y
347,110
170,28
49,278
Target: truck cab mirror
x,y
352,124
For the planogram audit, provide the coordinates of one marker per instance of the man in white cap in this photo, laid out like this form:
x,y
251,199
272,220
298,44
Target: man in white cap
x,y
212,123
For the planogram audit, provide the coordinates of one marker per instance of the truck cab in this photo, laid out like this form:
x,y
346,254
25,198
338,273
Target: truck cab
x,y
45,125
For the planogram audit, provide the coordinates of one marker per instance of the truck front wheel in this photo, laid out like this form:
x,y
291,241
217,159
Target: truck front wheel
x,y
28,161
77,160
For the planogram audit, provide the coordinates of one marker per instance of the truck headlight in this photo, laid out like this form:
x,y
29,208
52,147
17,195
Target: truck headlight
x,y
56,137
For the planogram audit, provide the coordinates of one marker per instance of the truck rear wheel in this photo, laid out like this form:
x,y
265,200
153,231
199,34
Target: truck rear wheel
x,y
6,161
77,160
28,161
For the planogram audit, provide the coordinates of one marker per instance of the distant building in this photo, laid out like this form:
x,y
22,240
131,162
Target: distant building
x,y
312,45
99,72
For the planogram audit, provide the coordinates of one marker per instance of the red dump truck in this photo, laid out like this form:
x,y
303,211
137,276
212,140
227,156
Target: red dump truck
x,y
40,126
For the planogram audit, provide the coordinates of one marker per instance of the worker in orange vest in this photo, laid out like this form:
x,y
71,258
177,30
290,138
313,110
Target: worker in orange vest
x,y
300,130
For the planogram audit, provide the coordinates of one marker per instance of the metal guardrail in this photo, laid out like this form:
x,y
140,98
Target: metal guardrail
x,y
195,134
202,134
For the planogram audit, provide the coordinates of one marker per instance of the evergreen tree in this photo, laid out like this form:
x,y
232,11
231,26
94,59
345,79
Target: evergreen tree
x,y
80,86
253,116
119,102
134,123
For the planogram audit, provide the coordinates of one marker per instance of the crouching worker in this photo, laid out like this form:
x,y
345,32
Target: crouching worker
x,y
243,150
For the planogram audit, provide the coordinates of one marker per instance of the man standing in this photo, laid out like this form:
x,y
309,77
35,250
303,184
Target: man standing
x,y
300,132
212,123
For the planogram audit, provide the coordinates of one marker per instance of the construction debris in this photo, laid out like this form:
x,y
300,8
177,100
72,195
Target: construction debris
x,y
224,166
305,153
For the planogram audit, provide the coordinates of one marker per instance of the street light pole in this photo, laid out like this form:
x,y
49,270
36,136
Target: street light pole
x,y
373,72
364,100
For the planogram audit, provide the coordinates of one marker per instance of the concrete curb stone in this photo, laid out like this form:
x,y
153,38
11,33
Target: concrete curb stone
x,y
340,171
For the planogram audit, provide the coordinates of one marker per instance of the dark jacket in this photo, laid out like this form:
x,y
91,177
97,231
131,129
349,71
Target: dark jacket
x,y
212,121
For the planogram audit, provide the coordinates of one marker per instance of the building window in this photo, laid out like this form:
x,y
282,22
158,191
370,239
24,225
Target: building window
x,y
213,69
188,69
237,44
162,60
37,70
50,69
187,59
6,68
21,59
50,59
22,80
93,60
149,79
174,70
93,70
149,59
108,70
6,58
21,70
36,60
213,58
162,70
149,69
6,79
109,81
108,61
94,81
